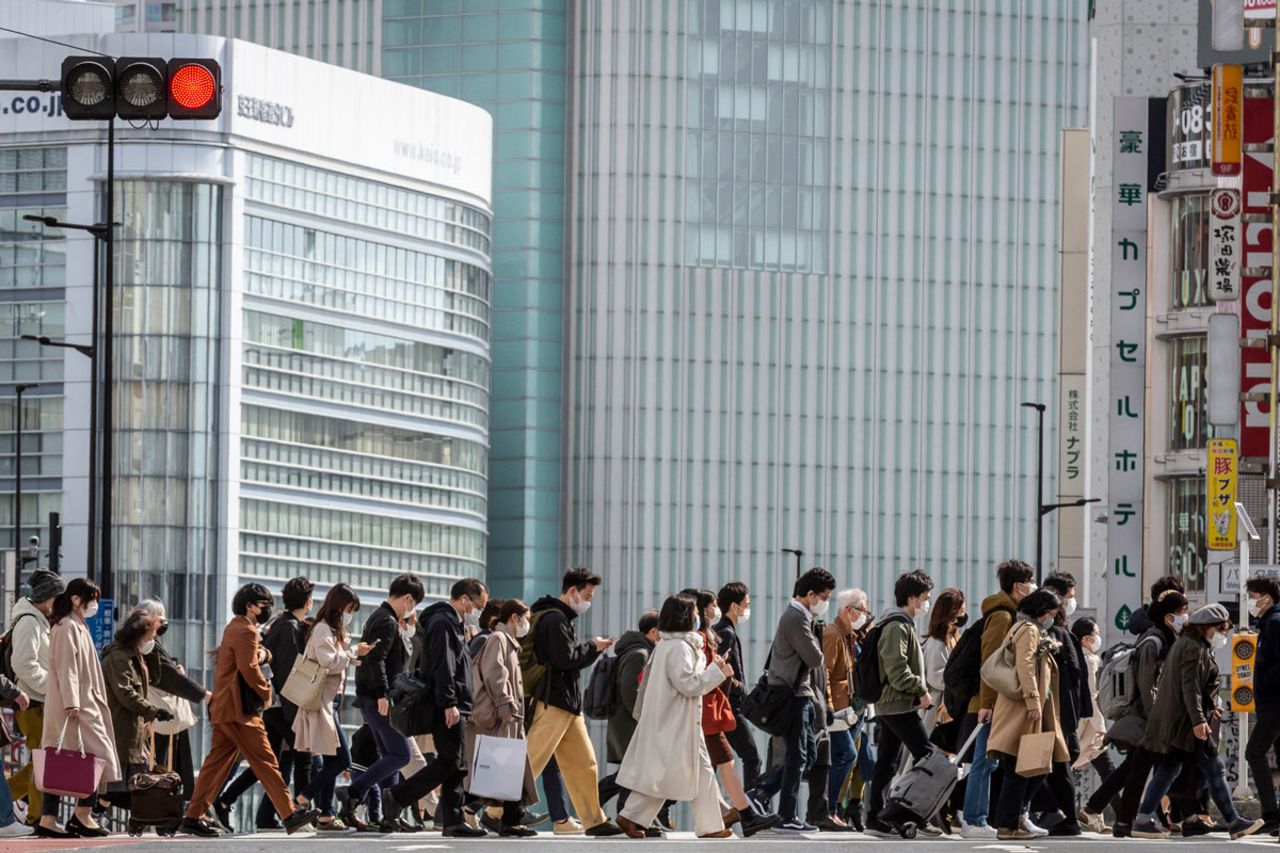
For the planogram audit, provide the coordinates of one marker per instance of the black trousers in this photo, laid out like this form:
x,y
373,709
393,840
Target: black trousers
x,y
1262,739
1108,792
447,771
817,807
744,746
1014,796
1140,763
896,730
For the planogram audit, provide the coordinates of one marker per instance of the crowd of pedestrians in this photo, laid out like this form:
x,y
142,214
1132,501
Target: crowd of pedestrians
x,y
464,705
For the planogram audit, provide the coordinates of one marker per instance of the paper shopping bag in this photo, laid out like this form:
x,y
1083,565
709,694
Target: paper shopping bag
x,y
497,769
1035,754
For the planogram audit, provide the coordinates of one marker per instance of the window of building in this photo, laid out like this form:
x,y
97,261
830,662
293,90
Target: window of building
x,y
1189,427
1188,546
1189,260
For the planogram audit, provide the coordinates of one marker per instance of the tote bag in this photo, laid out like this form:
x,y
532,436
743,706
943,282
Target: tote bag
x,y
305,685
67,773
184,716
497,768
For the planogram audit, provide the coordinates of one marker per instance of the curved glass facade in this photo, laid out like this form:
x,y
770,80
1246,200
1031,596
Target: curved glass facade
x,y
365,373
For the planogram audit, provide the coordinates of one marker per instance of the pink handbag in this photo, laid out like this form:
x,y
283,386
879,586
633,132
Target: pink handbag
x,y
67,773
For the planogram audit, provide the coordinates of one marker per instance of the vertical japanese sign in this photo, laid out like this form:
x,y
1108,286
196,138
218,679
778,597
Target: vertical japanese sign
x,y
1224,245
1128,360
1255,285
1222,470
1228,108
1071,436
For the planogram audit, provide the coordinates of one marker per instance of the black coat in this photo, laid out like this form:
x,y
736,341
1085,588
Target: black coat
x,y
387,658
556,645
284,640
1140,622
445,664
731,650
1266,681
1074,702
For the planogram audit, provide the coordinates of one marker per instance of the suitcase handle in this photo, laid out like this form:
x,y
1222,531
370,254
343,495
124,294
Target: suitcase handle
x,y
973,737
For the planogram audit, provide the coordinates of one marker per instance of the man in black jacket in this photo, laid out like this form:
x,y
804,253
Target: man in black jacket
x,y
735,609
445,666
1264,605
558,728
1139,621
373,680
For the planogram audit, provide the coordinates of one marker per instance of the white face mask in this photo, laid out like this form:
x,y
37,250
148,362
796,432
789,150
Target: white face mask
x,y
1092,642
715,616
472,619
1219,640
1031,587
1256,608
148,647
522,628
1179,619
819,608
923,608
1047,622
90,610
580,606
1069,606
744,617
407,631
859,620
347,616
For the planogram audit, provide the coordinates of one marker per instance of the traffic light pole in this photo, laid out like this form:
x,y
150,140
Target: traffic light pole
x,y
107,365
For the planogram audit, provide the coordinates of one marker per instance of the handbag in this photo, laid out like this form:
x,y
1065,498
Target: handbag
x,y
498,768
154,795
1000,673
644,682
305,685
67,773
766,706
1035,753
184,717
250,702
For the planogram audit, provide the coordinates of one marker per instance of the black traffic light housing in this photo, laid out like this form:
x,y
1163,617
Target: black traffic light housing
x,y
140,88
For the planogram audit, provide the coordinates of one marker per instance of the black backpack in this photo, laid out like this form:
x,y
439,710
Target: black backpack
x,y
6,651
962,675
868,685
601,697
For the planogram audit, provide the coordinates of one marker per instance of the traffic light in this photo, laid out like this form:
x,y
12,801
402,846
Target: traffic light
x,y
1244,647
137,88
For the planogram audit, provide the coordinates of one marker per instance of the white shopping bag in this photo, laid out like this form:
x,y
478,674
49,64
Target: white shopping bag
x,y
497,768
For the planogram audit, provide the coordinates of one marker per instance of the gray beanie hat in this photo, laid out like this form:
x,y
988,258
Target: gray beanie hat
x,y
1210,614
45,585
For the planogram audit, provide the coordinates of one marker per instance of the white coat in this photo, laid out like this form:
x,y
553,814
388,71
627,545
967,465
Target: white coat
x,y
1093,729
315,731
668,754
75,681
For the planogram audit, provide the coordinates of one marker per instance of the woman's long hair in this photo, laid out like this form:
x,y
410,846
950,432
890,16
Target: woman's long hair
x,y
83,588
704,598
942,621
340,597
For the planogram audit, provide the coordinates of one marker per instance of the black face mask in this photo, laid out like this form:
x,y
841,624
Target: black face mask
x,y
961,620
164,626
264,615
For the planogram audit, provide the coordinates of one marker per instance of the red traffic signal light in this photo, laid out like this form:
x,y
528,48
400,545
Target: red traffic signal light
x,y
140,88
88,87
195,89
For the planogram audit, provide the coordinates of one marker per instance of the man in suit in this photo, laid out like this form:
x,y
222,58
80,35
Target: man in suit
x,y
236,721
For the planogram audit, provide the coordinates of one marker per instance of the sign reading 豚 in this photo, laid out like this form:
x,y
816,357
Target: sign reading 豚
x,y
103,624
1224,245
1128,359
1222,471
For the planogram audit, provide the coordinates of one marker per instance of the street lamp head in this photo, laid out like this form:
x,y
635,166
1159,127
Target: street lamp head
x,y
26,386
48,221
1039,407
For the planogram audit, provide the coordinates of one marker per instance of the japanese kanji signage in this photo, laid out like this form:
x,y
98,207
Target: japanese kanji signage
x,y
1255,284
1228,115
1071,436
1222,471
1224,245
1189,124
1127,361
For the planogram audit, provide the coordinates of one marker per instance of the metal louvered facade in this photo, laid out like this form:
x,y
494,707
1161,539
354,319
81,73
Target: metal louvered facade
x,y
813,274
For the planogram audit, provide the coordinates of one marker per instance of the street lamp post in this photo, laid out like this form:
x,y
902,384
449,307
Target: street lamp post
x,y
798,554
1043,509
17,484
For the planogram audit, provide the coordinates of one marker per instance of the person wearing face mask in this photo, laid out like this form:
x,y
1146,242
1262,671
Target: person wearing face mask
x,y
1168,614
1091,732
29,655
795,660
484,622
632,649
839,651
1034,709
947,617
76,702
237,725
1141,619
903,696
558,727
128,678
319,732
734,599
1264,606
374,677
1180,730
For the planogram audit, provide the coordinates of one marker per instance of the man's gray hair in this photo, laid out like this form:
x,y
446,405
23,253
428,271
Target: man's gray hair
x,y
847,597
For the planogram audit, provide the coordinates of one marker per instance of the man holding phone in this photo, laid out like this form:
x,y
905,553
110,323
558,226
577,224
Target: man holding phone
x,y
374,678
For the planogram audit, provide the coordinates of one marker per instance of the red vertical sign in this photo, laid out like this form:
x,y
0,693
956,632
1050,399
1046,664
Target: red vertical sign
x,y
1255,308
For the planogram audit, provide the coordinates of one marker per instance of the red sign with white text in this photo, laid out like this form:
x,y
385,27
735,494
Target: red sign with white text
x,y
1255,308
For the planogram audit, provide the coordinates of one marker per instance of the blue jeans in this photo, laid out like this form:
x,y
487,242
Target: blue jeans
x,y
557,797
1166,773
843,755
977,792
6,803
801,752
320,790
393,753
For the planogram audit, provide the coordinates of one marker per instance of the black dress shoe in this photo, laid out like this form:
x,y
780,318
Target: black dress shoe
x,y
79,830
403,825
516,832
301,819
223,813
461,830
42,831
346,806
198,826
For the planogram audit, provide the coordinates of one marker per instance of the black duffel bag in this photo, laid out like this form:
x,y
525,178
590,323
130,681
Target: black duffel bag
x,y
767,706
413,705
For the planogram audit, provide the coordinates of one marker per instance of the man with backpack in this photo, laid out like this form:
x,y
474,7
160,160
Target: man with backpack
x,y
1264,605
551,678
28,655
632,652
795,661
903,693
1017,581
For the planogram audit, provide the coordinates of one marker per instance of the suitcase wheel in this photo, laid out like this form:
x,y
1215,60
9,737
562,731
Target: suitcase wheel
x,y
135,830
907,831
168,831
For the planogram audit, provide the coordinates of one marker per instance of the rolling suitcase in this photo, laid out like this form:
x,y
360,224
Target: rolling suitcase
x,y
921,792
155,798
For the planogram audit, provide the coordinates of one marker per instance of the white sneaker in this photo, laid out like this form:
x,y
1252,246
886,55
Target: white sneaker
x,y
572,826
17,829
20,811
1028,826
980,830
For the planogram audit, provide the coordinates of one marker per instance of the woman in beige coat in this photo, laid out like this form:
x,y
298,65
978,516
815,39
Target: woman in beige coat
x,y
76,714
499,703
1034,709
318,731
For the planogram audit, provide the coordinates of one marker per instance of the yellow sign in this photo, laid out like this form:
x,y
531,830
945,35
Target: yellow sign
x,y
1221,474
1228,113
1244,648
